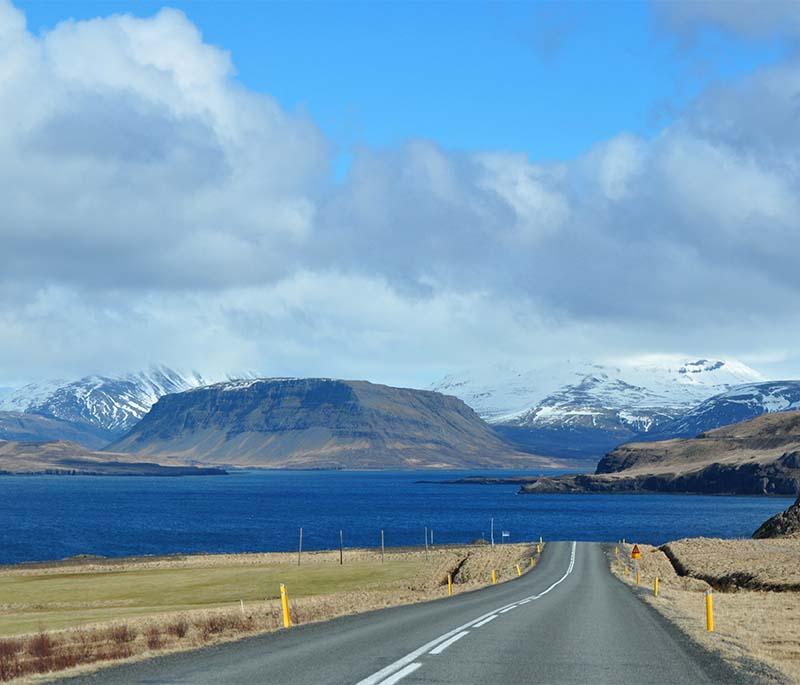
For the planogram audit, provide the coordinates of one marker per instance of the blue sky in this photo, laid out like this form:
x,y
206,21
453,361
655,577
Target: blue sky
x,y
396,191
545,78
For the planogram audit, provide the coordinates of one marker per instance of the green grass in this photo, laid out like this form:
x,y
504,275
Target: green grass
x,y
59,600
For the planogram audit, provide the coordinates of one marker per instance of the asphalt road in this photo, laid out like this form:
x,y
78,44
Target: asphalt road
x,y
567,621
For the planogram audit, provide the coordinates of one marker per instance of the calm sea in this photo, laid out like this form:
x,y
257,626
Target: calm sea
x,y
52,517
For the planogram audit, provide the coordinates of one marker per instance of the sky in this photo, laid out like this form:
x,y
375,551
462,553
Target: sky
x,y
395,191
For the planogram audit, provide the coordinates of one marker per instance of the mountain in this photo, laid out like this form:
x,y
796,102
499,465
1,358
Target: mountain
x,y
16,426
756,457
739,404
69,459
584,409
320,423
105,406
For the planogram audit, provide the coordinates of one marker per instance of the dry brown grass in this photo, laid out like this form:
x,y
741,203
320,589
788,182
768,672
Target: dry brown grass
x,y
86,646
749,625
772,564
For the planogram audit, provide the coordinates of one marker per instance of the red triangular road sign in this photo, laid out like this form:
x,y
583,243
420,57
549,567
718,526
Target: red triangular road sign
x,y
635,553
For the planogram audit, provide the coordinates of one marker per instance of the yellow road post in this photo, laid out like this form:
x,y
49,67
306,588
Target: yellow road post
x,y
494,577
616,551
538,549
287,619
637,577
519,571
449,585
655,587
709,612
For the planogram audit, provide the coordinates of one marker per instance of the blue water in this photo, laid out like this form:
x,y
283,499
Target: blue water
x,y
52,517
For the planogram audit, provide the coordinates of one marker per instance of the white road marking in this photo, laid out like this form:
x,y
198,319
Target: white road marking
x,y
382,676
524,601
507,609
402,673
485,621
447,643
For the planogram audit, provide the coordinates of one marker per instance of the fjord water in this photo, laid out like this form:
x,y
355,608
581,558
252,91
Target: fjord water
x,y
52,517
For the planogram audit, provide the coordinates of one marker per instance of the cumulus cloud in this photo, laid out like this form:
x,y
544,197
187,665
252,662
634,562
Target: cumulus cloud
x,y
156,210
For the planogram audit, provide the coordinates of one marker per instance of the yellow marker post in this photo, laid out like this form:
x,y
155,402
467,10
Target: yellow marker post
x,y
519,571
449,585
538,549
655,587
637,577
494,577
709,612
616,551
287,619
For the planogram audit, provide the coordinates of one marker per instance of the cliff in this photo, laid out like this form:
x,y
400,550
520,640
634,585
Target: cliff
x,y
756,457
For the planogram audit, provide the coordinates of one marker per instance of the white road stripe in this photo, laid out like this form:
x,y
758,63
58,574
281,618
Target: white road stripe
x,y
382,675
524,601
507,609
397,677
485,621
447,643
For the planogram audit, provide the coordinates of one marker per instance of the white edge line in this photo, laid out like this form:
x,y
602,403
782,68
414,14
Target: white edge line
x,y
447,643
485,621
408,670
507,609
385,672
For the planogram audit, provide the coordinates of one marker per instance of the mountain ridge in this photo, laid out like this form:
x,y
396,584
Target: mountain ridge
x,y
320,423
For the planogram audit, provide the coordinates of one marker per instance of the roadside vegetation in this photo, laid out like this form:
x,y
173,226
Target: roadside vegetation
x,y
78,615
752,624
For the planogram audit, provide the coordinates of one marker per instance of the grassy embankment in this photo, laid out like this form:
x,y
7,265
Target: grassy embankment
x,y
64,615
755,587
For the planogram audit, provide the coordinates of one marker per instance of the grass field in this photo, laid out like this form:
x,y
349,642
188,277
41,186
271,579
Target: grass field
x,y
50,601
77,614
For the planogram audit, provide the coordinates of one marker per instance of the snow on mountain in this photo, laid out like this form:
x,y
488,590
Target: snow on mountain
x,y
558,393
739,404
111,404
583,409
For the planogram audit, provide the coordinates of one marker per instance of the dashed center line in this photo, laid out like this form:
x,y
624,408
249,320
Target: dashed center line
x,y
447,643
399,669
402,673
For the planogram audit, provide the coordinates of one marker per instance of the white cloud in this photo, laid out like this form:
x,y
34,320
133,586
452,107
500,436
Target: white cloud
x,y
156,210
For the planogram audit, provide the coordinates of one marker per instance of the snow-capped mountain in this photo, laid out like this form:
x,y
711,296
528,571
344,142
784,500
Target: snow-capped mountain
x,y
108,404
739,404
587,407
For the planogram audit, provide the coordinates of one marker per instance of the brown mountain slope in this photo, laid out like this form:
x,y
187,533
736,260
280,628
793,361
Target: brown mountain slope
x,y
320,423
756,457
68,458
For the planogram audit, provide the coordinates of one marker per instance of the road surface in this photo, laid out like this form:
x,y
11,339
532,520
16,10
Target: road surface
x,y
567,621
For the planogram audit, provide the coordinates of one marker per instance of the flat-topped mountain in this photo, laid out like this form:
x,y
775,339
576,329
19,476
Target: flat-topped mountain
x,y
756,457
320,423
